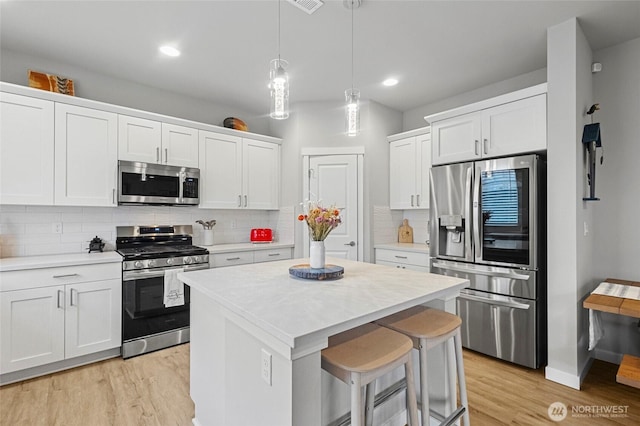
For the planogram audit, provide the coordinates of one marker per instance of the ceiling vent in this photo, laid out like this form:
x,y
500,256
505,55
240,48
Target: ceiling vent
x,y
308,6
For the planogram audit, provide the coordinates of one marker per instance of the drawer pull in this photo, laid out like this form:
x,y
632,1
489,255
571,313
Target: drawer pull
x,y
233,258
274,254
65,276
400,257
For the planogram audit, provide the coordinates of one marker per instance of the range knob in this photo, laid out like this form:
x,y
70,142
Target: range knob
x,y
138,264
170,261
151,263
187,260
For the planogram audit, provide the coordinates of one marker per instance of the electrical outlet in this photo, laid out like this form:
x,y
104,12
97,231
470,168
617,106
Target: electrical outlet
x,y
57,228
265,367
234,224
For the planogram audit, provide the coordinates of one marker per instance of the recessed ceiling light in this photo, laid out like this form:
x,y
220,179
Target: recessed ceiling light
x,y
170,51
390,82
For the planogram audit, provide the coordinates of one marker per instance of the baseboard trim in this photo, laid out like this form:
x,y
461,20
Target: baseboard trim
x,y
608,356
558,376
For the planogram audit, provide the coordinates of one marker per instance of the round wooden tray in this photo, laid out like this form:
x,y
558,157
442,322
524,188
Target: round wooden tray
x,y
308,273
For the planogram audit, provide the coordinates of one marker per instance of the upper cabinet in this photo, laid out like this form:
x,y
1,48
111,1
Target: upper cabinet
x,y
86,157
26,150
502,126
149,141
409,165
238,173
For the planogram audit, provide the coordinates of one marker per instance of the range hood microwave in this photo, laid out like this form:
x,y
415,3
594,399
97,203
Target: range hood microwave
x,y
144,183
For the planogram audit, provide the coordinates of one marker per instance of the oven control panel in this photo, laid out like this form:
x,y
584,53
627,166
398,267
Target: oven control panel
x,y
165,262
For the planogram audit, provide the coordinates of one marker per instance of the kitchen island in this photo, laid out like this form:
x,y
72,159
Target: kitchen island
x,y
257,333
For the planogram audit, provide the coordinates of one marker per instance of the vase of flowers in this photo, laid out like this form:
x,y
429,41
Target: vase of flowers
x,y
320,222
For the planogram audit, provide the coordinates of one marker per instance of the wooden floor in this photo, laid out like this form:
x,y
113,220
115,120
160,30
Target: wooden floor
x,y
154,390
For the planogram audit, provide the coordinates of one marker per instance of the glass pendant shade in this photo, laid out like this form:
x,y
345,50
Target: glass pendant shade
x,y
279,85
353,111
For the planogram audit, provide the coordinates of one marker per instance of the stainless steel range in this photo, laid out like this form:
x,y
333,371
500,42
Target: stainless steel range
x,y
155,306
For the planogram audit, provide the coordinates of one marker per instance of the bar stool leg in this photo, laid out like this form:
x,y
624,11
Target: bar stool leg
x,y
356,400
370,398
411,392
450,354
424,388
461,380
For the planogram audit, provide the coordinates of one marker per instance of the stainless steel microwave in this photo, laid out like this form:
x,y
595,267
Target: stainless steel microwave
x,y
144,183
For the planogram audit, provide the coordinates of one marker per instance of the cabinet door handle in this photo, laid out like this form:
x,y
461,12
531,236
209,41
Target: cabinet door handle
x,y
418,200
412,201
233,258
274,254
65,275
166,155
245,201
158,154
484,146
59,294
400,257
71,297
113,196
476,147
239,200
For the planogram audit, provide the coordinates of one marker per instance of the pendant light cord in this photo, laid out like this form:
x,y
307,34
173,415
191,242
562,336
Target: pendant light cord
x,y
279,1
351,44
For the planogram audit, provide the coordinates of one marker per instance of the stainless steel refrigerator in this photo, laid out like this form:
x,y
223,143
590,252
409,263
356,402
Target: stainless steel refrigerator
x,y
487,224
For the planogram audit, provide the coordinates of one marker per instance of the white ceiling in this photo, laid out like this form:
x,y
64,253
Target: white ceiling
x,y
436,49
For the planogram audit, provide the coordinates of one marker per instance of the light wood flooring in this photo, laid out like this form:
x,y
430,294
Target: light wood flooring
x,y
154,390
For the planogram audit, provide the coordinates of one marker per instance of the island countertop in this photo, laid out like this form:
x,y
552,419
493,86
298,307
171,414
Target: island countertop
x,y
297,311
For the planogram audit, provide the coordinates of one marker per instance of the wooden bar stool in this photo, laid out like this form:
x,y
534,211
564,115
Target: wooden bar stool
x,y
359,356
429,328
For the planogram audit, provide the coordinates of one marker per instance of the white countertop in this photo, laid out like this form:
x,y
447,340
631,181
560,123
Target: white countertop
x,y
296,311
230,248
55,260
412,247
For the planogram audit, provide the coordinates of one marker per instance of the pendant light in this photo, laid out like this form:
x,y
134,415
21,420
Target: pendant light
x,y
279,83
352,95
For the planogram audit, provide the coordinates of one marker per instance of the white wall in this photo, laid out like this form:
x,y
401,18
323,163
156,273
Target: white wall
x,y
321,124
617,90
414,118
99,87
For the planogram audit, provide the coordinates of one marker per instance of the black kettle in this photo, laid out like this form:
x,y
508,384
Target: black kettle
x,y
96,244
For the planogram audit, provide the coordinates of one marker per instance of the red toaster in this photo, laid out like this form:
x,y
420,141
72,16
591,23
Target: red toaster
x,y
261,235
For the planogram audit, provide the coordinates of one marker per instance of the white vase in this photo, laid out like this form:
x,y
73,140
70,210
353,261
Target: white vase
x,y
208,237
316,254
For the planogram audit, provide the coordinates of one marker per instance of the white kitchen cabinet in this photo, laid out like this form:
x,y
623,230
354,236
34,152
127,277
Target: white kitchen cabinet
x,y
512,128
92,321
32,328
26,150
149,141
409,165
238,173
55,314
403,259
237,257
86,143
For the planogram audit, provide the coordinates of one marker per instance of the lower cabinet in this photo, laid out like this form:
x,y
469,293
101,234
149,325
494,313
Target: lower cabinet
x,y
218,260
403,259
56,322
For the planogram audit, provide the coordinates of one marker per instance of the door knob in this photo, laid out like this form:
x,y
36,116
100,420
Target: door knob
x,y
351,243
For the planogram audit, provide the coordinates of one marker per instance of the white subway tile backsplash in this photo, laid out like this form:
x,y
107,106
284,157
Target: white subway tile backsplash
x,y
29,230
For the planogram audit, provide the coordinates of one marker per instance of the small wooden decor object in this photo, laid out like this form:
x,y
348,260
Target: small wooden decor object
x,y
235,123
308,273
405,232
51,83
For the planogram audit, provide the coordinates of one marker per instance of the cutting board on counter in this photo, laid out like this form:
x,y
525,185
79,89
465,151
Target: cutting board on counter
x,y
405,232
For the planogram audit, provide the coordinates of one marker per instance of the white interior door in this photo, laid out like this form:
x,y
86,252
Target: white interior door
x,y
333,180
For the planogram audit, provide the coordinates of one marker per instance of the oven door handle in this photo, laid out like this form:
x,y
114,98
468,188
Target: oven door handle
x,y
503,303
153,273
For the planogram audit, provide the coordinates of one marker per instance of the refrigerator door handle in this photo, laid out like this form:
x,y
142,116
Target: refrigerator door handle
x,y
467,212
478,271
477,243
503,303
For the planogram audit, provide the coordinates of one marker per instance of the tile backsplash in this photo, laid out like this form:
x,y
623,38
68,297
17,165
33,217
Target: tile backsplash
x,y
39,230
386,223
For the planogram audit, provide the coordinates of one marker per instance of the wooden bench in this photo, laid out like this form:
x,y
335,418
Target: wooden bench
x,y
629,370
